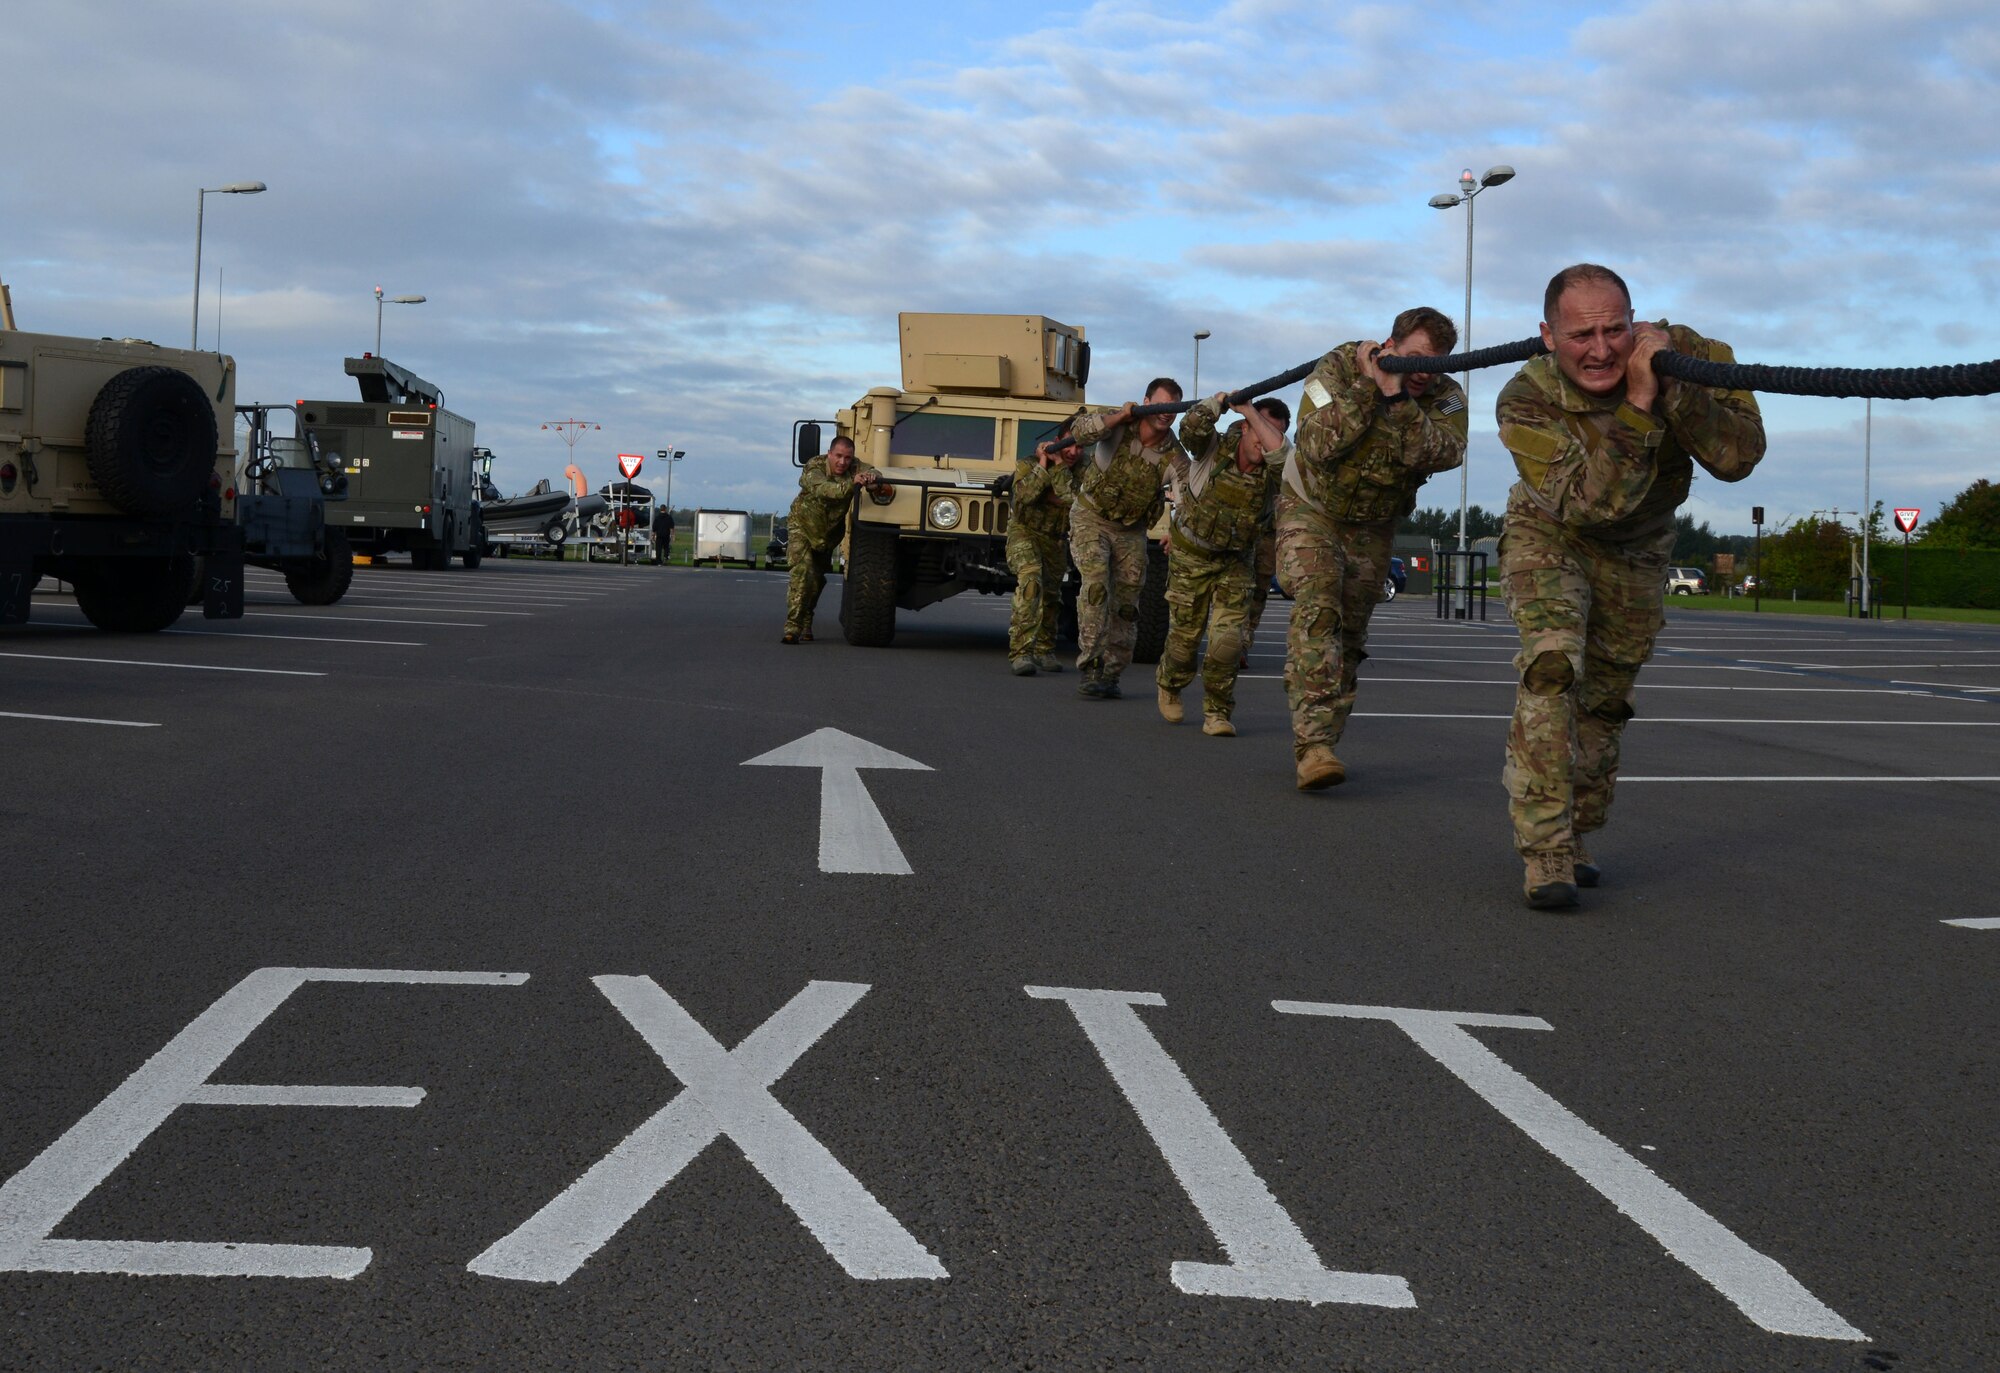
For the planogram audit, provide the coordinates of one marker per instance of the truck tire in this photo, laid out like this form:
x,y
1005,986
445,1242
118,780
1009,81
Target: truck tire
x,y
1152,636
133,595
150,442
198,583
868,590
325,579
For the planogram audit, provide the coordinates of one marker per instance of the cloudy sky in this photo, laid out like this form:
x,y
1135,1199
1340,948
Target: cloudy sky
x,y
693,223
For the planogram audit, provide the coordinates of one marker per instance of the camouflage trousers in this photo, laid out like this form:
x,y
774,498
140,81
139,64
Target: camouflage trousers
x,y
807,579
1334,572
1038,562
1588,613
1111,568
1205,591
1262,570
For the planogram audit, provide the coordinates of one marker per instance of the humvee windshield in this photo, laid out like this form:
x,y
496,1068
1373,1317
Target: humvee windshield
x,y
926,435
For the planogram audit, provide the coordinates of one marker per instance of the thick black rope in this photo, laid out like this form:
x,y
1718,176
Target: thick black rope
x,y
1879,383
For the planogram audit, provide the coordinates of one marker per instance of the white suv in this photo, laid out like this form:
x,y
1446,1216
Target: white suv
x,y
1686,581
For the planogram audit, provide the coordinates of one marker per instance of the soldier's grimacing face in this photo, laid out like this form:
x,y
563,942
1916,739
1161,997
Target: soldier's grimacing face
x,y
1154,427
839,457
1416,344
1591,336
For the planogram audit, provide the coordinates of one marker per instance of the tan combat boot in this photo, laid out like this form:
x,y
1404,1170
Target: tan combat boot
x,y
1550,883
1319,769
1170,706
1218,725
1587,872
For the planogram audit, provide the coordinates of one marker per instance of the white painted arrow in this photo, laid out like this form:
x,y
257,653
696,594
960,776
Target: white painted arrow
x,y
853,836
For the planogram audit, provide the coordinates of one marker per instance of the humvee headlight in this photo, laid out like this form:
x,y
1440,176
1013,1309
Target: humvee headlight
x,y
944,512
881,493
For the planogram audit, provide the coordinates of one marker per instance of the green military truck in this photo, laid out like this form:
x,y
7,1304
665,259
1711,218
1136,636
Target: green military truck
x,y
116,460
409,467
978,393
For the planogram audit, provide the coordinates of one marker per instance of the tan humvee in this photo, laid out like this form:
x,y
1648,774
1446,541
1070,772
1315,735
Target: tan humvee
x,y
116,472
978,393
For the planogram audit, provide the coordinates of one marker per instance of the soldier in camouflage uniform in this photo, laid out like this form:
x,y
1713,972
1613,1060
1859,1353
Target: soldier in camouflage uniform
x,y
1367,440
1118,496
818,522
1606,451
1037,555
1220,501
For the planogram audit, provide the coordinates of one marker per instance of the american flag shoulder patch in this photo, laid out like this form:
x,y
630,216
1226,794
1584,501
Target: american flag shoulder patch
x,y
1452,405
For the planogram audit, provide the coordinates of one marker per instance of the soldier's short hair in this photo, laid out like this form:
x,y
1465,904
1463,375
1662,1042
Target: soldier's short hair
x,y
840,439
1167,384
1279,412
1578,275
1436,323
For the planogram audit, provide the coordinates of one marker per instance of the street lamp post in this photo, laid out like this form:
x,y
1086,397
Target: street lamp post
x,y
392,300
1867,506
200,213
1195,389
670,456
1468,191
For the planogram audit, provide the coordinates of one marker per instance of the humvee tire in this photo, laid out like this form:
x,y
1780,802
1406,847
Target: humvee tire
x,y
1152,637
325,579
198,583
150,442
868,590
133,595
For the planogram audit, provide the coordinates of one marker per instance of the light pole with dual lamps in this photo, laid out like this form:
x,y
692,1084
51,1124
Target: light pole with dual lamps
x,y
1468,191
380,300
200,213
669,456
1195,389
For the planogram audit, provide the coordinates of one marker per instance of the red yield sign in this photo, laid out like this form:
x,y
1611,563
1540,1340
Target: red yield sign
x,y
1906,520
629,464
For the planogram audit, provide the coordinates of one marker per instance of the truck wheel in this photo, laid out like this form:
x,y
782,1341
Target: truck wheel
x,y
198,583
150,442
474,555
133,595
325,579
868,591
1152,636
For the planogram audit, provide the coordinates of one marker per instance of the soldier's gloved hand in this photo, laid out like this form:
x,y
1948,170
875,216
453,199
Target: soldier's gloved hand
x,y
1642,383
1388,383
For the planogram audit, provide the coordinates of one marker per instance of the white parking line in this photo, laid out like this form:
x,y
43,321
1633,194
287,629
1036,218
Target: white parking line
x,y
366,604
143,662
360,619
1622,779
1699,720
1977,922
79,720
299,638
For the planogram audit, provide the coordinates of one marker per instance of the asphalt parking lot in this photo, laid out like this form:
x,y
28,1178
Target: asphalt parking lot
x,y
426,981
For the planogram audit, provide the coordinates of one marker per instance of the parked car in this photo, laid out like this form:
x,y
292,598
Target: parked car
x,y
1686,581
1398,580
1746,587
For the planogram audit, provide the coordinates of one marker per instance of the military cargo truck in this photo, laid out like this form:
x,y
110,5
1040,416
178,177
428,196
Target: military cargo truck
x,y
115,477
978,393
409,467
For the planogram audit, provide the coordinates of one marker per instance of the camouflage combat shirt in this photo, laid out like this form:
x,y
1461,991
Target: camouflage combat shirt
x,y
1595,464
1361,456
